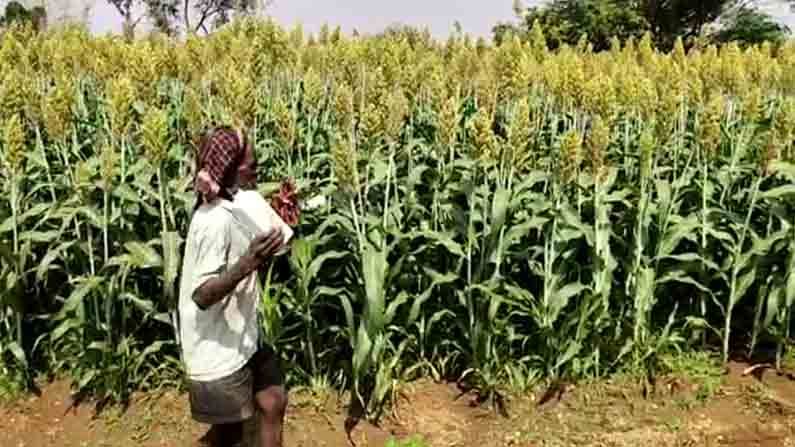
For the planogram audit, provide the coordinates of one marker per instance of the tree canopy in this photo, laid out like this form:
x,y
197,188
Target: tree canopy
x,y
189,15
566,21
15,12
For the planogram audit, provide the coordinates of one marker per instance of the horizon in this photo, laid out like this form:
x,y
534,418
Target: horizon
x,y
365,16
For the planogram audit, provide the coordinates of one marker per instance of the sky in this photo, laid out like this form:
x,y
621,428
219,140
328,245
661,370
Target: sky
x,y
476,16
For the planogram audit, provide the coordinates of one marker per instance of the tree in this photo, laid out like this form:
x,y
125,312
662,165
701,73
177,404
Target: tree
x,y
214,13
565,21
751,27
15,12
190,15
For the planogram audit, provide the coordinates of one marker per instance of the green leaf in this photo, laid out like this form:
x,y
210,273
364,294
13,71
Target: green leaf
x,y
361,351
86,379
85,287
49,258
780,192
773,306
145,306
171,241
499,210
393,307
18,354
784,169
684,229
39,236
743,284
562,296
374,270
63,328
437,280
572,350
681,276
143,256
348,310
317,263
445,241
35,211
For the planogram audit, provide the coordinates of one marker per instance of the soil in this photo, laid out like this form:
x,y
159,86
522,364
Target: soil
x,y
746,410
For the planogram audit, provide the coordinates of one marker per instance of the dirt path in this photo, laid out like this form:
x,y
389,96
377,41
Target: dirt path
x,y
744,411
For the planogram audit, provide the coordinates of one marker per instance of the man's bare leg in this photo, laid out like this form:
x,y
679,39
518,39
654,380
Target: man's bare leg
x,y
225,435
272,403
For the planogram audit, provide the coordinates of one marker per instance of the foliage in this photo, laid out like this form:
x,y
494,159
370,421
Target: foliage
x,y
16,13
192,16
413,442
538,216
568,21
750,27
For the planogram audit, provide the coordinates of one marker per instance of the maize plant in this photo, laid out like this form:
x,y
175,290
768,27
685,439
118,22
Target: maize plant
x,y
535,217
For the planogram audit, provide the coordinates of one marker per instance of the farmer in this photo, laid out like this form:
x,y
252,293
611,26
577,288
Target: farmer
x,y
230,374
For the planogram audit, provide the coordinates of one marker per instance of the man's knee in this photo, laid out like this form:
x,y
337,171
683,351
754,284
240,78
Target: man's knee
x,y
272,401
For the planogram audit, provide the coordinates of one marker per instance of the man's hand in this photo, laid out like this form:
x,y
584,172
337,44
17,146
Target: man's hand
x,y
261,249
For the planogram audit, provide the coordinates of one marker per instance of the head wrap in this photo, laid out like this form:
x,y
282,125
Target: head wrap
x,y
225,162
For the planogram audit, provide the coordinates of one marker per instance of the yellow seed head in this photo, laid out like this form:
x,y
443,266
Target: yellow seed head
x,y
771,152
570,155
14,144
109,159
646,145
345,161
193,111
752,103
397,109
314,90
14,93
679,55
784,127
449,119
121,97
343,106
284,120
57,108
784,123
598,141
238,92
520,131
599,96
538,41
485,142
710,124
155,135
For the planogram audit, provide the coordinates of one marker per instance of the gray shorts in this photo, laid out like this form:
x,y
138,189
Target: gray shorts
x,y
231,399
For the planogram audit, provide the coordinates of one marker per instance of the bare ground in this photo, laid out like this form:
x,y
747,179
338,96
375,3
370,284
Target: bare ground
x,y
744,411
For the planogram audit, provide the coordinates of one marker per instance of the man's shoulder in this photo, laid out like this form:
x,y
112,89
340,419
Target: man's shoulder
x,y
213,216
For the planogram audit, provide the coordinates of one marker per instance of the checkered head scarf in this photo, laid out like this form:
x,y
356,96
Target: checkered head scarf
x,y
225,162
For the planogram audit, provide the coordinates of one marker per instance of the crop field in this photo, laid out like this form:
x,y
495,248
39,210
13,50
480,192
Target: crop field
x,y
505,218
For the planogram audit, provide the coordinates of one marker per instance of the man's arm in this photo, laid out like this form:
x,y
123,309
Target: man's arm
x,y
259,252
216,289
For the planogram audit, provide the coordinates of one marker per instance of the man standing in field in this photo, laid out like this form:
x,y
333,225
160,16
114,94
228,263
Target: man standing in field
x,y
230,374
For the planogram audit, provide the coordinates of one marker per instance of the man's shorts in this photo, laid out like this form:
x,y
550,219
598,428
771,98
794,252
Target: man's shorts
x,y
231,399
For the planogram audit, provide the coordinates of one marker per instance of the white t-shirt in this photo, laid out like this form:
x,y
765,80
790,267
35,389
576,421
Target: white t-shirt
x,y
219,340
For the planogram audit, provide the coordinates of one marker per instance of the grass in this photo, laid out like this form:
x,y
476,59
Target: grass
x,y
699,369
412,442
10,388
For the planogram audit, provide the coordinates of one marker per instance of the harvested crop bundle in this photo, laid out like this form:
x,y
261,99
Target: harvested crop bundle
x,y
285,203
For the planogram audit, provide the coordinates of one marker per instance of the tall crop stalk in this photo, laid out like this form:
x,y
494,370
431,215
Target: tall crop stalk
x,y
739,284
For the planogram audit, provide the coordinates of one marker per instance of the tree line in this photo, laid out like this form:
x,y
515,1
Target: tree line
x,y
564,22
166,16
567,22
